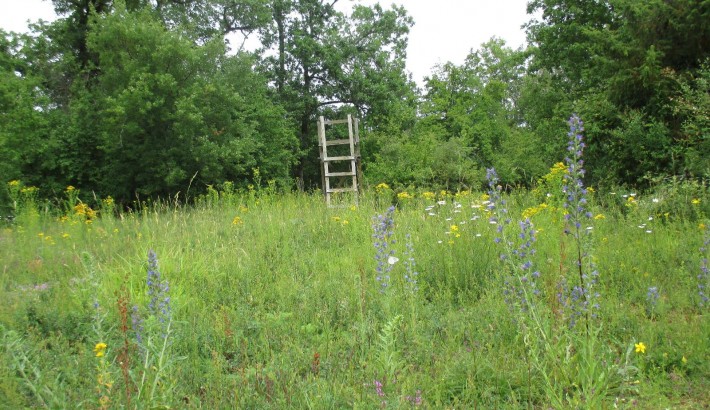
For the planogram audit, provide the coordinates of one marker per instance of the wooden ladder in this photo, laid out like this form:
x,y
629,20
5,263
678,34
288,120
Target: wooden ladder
x,y
353,157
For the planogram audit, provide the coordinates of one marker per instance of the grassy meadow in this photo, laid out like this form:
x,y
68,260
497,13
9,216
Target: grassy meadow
x,y
258,299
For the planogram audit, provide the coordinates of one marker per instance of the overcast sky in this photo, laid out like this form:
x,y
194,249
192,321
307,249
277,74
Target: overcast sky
x,y
444,30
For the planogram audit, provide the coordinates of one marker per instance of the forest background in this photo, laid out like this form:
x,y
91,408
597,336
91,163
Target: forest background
x,y
143,99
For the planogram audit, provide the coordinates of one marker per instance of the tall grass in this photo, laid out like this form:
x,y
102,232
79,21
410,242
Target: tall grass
x,y
275,303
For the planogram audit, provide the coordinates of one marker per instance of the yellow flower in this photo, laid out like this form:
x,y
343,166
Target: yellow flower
x,y
82,209
640,347
404,195
684,360
429,195
530,212
485,197
558,167
599,216
454,228
14,183
335,218
695,201
345,222
702,226
237,221
353,208
70,188
100,349
382,186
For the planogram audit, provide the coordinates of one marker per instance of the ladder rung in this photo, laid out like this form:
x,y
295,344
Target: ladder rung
x,y
329,122
345,158
332,190
341,174
337,142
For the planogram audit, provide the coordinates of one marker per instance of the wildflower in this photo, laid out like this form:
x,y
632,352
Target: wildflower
x,y
429,195
496,207
70,188
392,260
684,360
353,207
14,183
345,222
416,401
652,296
237,220
578,298
599,216
381,187
100,349
405,195
695,201
640,347
378,388
137,325
159,305
454,228
335,218
383,227
65,235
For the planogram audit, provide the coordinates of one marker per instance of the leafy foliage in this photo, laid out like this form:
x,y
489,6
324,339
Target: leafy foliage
x,y
145,98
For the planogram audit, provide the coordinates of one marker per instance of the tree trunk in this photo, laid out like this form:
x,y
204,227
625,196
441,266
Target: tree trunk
x,y
281,71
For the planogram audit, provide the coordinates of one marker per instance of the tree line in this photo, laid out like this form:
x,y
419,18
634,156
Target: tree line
x,y
139,98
